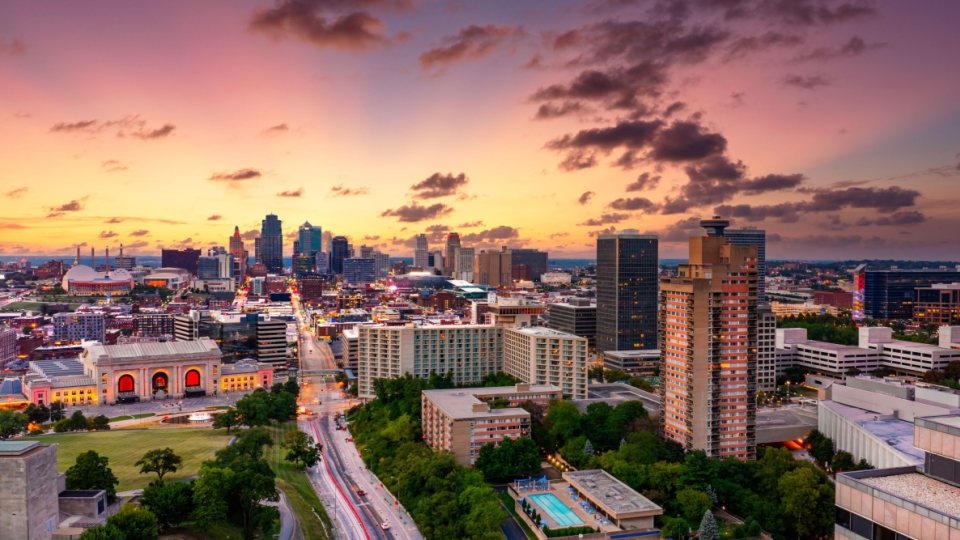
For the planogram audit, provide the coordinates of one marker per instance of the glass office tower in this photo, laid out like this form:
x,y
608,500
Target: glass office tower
x,y
271,244
627,281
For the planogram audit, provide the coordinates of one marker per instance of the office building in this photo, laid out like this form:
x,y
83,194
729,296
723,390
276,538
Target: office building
x,y
124,263
238,335
543,356
381,263
241,258
708,375
464,261
534,259
77,327
420,252
837,299
303,265
153,324
8,346
513,311
640,363
339,252
310,238
917,502
766,348
271,244
460,420
366,252
751,236
360,271
350,337
470,352
310,286
627,274
891,294
577,316
494,269
208,268
938,304
323,265
188,259
30,506
450,256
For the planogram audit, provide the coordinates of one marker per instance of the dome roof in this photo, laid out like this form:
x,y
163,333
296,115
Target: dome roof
x,y
81,272
120,275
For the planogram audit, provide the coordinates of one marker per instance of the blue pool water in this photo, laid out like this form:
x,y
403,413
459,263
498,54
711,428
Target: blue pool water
x,y
560,515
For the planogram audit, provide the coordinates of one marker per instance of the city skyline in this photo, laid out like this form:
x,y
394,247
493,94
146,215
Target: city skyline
x,y
540,128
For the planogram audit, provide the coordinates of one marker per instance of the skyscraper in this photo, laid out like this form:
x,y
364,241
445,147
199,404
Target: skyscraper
x,y
493,268
271,243
463,264
627,274
360,271
751,236
188,259
708,360
326,242
382,261
533,258
366,251
453,244
240,258
338,254
311,239
420,252
323,266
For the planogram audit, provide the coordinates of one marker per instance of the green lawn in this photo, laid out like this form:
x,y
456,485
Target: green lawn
x,y
22,306
508,501
136,416
314,520
125,447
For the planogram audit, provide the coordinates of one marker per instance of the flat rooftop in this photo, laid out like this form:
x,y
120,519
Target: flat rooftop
x,y
649,353
829,346
15,448
614,394
897,434
459,402
611,493
544,332
921,489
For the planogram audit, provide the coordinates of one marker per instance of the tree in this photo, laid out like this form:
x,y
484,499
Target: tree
x,y
226,419
12,423
103,532
136,522
300,447
62,425
564,421
696,473
803,491
675,528
160,462
509,458
693,504
252,441
56,411
712,494
642,384
291,387
254,409
37,414
588,449
276,388
170,503
708,528
596,374
78,422
209,497
98,423
615,375
852,371
822,451
92,472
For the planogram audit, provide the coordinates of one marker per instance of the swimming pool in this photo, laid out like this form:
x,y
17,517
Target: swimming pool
x,y
560,515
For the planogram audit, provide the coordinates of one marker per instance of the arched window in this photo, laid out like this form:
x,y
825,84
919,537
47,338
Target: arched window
x,y
193,378
125,384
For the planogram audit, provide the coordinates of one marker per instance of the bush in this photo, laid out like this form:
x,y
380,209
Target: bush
x,y
37,432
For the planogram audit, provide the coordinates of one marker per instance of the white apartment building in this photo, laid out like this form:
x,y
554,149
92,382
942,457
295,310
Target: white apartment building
x,y
470,352
463,264
77,327
541,356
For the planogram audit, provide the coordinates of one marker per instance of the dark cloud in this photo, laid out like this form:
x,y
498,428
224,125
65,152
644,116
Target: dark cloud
x,y
751,44
439,185
141,232
673,108
137,245
559,235
470,224
633,203
296,193
470,43
536,62
340,191
911,217
112,165
70,127
276,130
686,141
885,200
855,47
17,193
311,22
577,160
614,88
495,234
372,238
236,176
549,111
437,228
414,212
55,214
158,133
608,230
131,125
250,235
605,219
688,224
644,182
107,234
72,206
784,212
585,198
810,82
717,179
833,223
582,146
114,220
812,12
215,217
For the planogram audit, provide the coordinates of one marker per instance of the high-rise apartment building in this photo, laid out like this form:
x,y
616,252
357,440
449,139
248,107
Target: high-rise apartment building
x,y
381,265
627,274
464,261
708,328
539,355
76,327
238,335
453,244
535,259
420,252
751,236
153,324
493,268
339,247
435,259
271,244
310,239
360,271
366,252
766,347
188,259
8,346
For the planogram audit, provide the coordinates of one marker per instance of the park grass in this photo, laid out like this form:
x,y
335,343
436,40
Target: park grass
x,y
510,503
23,306
128,417
126,447
314,521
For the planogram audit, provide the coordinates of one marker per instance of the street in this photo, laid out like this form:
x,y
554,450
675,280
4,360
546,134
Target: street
x,y
314,354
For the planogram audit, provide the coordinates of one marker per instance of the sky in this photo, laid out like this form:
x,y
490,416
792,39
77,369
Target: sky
x,y
834,125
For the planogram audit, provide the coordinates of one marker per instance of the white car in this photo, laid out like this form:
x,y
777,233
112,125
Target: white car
x,y
384,525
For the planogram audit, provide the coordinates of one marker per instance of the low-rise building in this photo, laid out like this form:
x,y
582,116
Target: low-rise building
x,y
540,355
78,327
460,420
576,316
638,363
245,376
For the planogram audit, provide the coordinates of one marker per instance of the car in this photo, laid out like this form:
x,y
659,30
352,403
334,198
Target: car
x,y
384,525
361,493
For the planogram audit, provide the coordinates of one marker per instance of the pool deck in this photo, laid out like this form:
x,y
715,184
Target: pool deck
x,y
559,490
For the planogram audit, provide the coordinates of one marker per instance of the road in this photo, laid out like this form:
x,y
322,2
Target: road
x,y
314,353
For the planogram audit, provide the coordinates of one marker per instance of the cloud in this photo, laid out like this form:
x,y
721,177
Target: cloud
x,y
496,234
585,198
13,48
340,191
437,228
751,44
297,193
439,185
215,217
276,130
137,245
470,43
70,127
372,238
855,47
306,21
644,182
717,179
811,82
414,212
141,232
911,217
158,133
54,214
470,224
812,12
236,176
112,165
131,125
608,230
121,219
536,62
250,235
674,108
559,235
107,234
72,206
605,219
11,226
612,88
631,204
884,200
549,111
17,193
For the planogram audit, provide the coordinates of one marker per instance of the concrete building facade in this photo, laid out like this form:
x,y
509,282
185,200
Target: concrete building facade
x,y
544,356
29,486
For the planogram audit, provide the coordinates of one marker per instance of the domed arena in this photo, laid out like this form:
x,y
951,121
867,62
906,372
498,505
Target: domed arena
x,y
83,280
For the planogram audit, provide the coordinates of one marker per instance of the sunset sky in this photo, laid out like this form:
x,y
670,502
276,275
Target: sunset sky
x,y
834,125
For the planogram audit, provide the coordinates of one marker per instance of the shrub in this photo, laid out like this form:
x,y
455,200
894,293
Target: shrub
x,y
37,432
